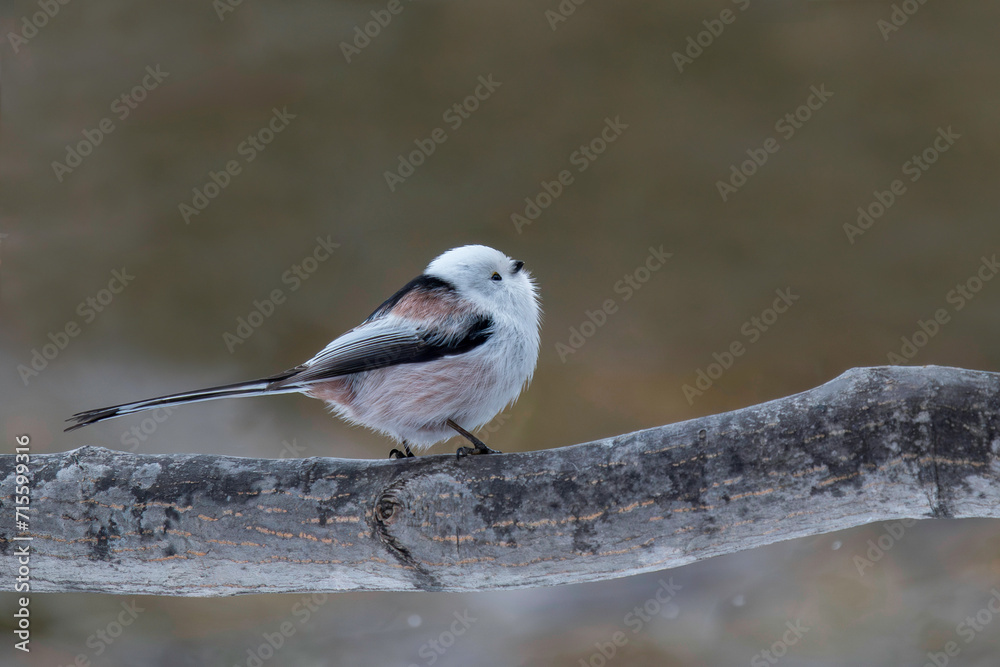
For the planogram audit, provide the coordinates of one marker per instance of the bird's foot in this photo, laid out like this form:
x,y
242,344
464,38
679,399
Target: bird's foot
x,y
396,454
468,451
480,448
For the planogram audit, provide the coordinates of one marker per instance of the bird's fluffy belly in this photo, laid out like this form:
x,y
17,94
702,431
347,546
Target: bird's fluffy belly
x,y
412,402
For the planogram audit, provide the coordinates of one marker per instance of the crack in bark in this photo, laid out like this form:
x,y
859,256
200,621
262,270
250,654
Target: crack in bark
x,y
387,507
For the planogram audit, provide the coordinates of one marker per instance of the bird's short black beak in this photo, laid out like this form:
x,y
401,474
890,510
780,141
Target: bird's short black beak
x,y
518,265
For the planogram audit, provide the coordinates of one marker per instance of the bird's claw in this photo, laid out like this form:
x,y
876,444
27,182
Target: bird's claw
x,y
396,454
469,451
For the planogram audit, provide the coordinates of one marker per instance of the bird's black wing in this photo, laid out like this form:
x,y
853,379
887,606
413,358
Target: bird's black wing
x,y
387,342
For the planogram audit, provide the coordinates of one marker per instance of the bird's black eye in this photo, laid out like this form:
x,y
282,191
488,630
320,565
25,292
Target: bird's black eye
x,y
496,276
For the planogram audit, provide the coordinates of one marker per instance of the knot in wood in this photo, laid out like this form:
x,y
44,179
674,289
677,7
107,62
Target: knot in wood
x,y
388,506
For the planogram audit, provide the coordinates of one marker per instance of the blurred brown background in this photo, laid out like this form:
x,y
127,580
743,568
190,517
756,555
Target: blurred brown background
x,y
323,175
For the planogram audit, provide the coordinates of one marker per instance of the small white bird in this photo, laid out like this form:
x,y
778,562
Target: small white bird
x,y
452,348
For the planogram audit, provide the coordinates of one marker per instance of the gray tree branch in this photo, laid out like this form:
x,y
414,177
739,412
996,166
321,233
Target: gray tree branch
x,y
873,444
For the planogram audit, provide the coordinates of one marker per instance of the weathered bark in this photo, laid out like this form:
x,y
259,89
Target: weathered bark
x,y
873,444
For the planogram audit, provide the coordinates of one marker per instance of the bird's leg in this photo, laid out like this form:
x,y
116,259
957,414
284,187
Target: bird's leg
x,y
480,448
396,454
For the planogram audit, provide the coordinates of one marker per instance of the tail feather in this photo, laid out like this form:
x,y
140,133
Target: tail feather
x,y
252,388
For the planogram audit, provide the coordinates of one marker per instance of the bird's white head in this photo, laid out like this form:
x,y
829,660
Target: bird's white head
x,y
490,279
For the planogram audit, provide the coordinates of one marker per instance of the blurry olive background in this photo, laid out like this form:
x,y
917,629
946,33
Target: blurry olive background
x,y
323,176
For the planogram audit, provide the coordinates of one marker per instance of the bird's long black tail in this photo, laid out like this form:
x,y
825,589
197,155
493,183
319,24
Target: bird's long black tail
x,y
269,385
